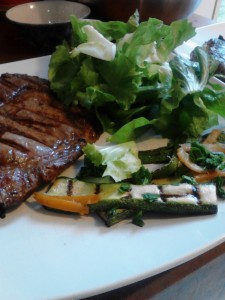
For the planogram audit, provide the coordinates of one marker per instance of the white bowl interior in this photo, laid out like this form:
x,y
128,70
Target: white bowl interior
x,y
47,12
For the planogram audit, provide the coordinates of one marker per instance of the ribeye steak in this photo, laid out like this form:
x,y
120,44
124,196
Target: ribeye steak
x,y
39,137
215,47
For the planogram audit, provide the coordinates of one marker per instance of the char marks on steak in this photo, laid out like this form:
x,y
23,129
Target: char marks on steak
x,y
39,137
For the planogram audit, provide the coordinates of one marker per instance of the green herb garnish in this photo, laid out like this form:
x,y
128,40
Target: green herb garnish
x,y
205,158
149,197
124,187
137,219
142,176
188,179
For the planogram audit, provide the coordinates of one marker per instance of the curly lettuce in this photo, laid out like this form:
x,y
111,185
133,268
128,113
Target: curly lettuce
x,y
124,73
121,160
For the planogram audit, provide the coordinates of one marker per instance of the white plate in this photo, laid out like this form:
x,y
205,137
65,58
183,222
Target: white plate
x,y
203,34
45,255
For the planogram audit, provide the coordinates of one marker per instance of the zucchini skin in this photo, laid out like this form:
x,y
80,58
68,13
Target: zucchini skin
x,y
154,207
156,156
192,200
173,168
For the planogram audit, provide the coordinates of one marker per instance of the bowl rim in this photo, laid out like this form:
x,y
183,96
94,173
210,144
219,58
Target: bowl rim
x,y
44,3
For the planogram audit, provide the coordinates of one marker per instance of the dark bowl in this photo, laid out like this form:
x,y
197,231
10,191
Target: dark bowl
x,y
165,10
45,24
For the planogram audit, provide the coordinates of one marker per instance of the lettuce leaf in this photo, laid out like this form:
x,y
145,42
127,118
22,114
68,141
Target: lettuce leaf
x,y
142,81
121,160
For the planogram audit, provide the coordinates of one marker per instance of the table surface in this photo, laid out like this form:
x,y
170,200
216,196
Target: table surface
x,y
194,277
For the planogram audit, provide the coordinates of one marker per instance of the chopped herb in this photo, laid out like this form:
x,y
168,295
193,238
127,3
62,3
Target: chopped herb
x,y
205,158
142,176
137,219
222,166
188,179
124,187
149,197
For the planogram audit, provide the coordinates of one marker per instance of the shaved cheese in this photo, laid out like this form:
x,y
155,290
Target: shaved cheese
x,y
207,193
189,199
138,191
181,189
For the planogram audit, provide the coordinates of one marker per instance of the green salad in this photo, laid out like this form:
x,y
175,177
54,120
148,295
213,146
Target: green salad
x,y
129,77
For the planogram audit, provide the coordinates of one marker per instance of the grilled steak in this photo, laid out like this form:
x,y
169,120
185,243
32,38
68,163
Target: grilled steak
x,y
215,47
39,137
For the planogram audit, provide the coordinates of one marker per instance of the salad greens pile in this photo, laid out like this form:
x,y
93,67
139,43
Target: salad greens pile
x,y
127,75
